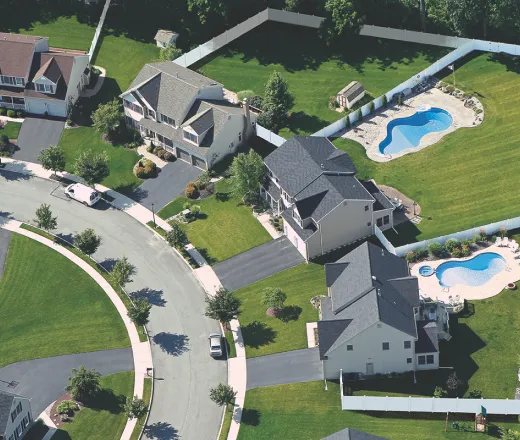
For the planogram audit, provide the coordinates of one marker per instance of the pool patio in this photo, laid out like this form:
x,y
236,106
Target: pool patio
x,y
430,286
373,129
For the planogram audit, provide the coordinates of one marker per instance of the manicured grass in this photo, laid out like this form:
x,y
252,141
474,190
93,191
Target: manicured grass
x,y
314,71
226,424
147,395
461,181
104,418
11,130
305,411
266,335
230,344
226,227
172,208
50,307
121,160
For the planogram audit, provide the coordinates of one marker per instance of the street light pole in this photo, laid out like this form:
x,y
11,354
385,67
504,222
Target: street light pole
x,y
153,214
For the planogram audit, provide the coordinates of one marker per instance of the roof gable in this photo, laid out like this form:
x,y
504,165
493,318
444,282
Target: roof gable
x,y
16,57
352,434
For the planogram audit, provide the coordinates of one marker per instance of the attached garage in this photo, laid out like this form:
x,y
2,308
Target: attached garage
x,y
184,155
199,163
40,106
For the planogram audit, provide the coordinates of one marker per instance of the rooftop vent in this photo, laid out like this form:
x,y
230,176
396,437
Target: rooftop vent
x,y
374,277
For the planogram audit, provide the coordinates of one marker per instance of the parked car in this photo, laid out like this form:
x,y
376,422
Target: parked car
x,y
215,344
82,193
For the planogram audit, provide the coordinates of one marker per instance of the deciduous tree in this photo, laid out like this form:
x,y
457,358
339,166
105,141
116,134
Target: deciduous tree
x,y
342,18
176,237
135,408
83,384
92,167
139,313
107,118
122,272
247,173
222,394
169,53
52,158
223,306
44,219
87,241
274,297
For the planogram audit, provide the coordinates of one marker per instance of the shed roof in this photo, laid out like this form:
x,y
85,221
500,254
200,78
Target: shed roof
x,y
353,90
165,36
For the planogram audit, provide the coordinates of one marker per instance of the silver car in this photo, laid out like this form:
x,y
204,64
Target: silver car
x,y
215,344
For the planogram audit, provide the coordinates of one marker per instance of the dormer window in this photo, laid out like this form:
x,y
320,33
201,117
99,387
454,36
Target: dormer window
x,y
45,88
190,137
12,80
167,120
150,113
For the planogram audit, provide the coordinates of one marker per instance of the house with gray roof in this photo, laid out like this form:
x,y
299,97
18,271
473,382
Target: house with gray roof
x,y
313,186
186,113
373,320
15,416
352,434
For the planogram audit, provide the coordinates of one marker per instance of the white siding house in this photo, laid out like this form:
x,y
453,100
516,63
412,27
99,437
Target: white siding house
x,y
15,416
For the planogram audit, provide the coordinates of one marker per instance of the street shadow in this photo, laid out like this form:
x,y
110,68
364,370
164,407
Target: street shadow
x,y
250,417
173,344
154,297
257,334
289,313
161,431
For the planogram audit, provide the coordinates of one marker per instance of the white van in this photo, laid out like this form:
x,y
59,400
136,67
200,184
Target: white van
x,y
82,193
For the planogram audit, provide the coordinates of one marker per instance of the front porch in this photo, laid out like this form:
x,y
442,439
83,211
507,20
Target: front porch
x,y
12,103
271,194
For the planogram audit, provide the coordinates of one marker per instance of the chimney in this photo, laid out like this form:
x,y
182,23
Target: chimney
x,y
247,114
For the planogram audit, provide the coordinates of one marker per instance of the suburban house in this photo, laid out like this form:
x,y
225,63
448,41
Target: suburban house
x,y
313,186
40,79
186,114
164,38
350,94
15,416
352,434
373,320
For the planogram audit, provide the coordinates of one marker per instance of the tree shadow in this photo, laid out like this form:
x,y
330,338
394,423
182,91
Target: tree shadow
x,y
257,334
289,313
108,264
161,431
106,400
20,174
173,344
206,255
222,196
154,297
302,123
251,417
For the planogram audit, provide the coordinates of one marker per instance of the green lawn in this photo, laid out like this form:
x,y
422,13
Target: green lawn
x,y
172,208
226,227
266,335
147,396
104,418
50,307
11,130
304,411
226,424
460,182
121,160
314,71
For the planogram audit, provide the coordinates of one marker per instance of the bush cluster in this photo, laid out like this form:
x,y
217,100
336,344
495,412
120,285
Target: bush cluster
x,y
161,153
191,191
67,407
145,169
418,255
11,113
3,111
436,249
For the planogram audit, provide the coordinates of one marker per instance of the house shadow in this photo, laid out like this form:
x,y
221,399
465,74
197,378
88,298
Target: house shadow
x,y
154,297
161,431
257,334
173,344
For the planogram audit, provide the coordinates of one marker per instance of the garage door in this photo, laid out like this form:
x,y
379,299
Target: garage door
x,y
37,107
56,109
184,155
199,163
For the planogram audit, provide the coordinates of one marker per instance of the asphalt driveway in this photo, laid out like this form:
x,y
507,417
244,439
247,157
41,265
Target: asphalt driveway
x,y
258,263
283,368
36,135
44,380
170,182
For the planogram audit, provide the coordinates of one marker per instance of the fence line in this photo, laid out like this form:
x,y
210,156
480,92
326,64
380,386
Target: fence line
x,y
268,135
384,241
98,30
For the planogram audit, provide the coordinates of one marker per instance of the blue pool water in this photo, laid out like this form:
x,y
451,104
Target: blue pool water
x,y
407,132
426,271
474,272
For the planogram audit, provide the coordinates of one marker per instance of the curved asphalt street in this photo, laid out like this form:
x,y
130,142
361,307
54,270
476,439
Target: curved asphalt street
x,y
178,329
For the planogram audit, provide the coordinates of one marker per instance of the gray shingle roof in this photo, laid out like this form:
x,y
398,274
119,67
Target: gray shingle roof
x,y
303,233
352,90
201,122
368,285
427,339
352,434
165,36
382,201
6,402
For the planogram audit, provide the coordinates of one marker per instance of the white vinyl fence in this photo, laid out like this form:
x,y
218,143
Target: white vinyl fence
x,y
98,30
385,242
223,39
269,136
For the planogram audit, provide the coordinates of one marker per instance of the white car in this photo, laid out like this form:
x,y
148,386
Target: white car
x,y
82,193
215,344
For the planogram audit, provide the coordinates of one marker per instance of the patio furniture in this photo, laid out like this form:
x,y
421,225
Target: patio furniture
x,y
514,247
505,241
512,242
498,241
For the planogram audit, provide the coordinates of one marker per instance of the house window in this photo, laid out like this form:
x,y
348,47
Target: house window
x,y
11,437
407,344
366,207
19,429
232,145
239,136
369,224
386,219
25,422
429,359
379,222
150,113
8,80
167,120
46,88
20,81
19,408
13,416
189,136
408,360
422,360
386,346
132,106
350,347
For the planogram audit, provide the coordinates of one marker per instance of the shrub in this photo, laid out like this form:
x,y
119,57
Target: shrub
x,y
170,157
11,113
140,172
187,205
203,180
20,113
476,238
66,407
191,191
478,111
245,94
256,102
371,106
347,121
493,238
359,115
451,244
3,111
465,250
436,249
65,418
400,99
502,232
157,151
483,235
450,89
411,257
385,101
440,392
457,252
333,104
195,210
421,253
475,394
150,148
145,168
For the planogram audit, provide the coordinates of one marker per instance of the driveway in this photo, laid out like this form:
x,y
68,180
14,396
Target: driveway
x,y
258,263
178,329
44,380
5,239
283,368
36,135
170,182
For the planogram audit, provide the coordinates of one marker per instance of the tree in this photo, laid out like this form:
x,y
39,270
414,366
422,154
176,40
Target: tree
x,y
52,158
509,434
247,173
122,272
293,5
44,219
169,53
87,241
107,118
206,8
140,312
274,297
222,394
135,408
453,383
4,143
277,102
223,306
342,18
83,384
440,392
176,237
92,167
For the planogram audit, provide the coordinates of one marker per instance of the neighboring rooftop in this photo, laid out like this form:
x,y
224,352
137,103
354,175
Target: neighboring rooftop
x,y
352,434
16,53
165,36
6,402
352,91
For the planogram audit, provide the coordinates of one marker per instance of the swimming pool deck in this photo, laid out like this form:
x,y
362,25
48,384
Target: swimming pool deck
x,y
372,131
430,287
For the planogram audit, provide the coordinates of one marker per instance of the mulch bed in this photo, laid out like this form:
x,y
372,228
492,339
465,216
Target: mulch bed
x,y
56,418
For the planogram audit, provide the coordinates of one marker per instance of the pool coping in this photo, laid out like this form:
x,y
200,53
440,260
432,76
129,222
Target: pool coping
x,y
430,287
